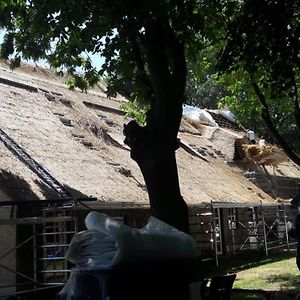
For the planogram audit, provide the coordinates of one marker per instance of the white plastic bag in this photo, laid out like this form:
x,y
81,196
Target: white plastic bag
x,y
228,115
91,248
108,242
198,114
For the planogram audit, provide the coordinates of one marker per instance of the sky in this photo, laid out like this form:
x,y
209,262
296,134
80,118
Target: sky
x,y
97,60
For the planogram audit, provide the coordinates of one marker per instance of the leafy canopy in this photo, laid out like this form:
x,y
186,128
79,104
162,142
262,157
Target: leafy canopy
x,y
261,63
66,32
259,40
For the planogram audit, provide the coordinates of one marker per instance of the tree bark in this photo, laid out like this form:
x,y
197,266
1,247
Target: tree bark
x,y
153,146
159,168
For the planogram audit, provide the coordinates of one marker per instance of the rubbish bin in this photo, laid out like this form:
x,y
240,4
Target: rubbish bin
x,y
136,281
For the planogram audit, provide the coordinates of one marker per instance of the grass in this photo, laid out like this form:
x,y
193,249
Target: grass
x,y
273,276
277,273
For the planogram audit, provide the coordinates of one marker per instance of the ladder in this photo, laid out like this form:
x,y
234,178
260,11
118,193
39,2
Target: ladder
x,y
51,243
34,165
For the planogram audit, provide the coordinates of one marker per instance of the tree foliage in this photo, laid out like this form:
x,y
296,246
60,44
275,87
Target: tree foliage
x,y
262,57
145,45
202,88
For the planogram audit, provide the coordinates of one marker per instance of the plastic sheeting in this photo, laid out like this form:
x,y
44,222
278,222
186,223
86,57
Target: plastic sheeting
x,y
108,242
228,115
198,114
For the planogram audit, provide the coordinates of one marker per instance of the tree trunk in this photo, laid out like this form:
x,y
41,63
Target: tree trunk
x,y
161,176
166,202
153,146
159,168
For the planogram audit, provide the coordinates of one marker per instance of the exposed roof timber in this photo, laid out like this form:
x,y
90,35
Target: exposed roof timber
x,y
20,85
190,150
103,108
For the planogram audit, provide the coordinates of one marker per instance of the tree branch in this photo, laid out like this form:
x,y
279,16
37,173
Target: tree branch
x,y
273,131
157,59
177,62
141,76
165,115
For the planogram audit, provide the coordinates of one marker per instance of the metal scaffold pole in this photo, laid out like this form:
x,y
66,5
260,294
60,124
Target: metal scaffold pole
x,y
286,229
214,234
233,238
264,230
76,215
34,254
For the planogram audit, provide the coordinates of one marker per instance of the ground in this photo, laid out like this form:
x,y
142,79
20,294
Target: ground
x,y
260,276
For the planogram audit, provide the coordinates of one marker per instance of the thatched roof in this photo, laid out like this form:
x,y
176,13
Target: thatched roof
x,y
77,137
264,154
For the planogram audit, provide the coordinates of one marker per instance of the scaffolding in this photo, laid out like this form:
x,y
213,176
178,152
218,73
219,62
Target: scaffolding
x,y
42,233
42,230
231,229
